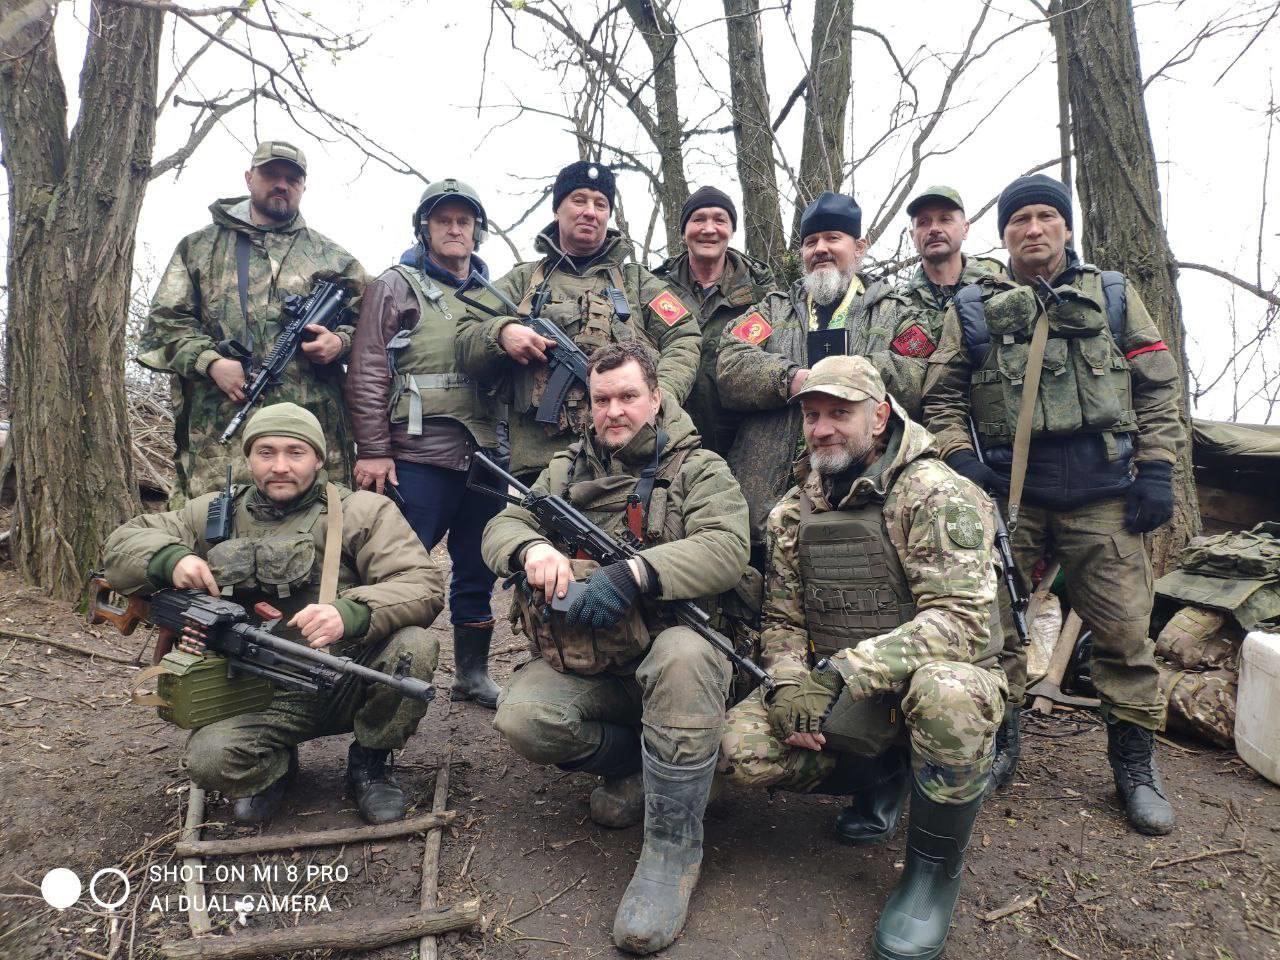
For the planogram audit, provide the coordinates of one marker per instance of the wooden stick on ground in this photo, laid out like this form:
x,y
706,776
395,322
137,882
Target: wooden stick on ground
x,y
197,905
70,647
431,855
316,838
350,934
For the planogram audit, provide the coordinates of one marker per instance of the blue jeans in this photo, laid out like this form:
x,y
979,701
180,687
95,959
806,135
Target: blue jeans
x,y
437,501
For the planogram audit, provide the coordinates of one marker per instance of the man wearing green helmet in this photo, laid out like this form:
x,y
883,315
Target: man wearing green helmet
x,y
417,420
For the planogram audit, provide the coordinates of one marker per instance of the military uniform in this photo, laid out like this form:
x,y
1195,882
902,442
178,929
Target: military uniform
x,y
579,306
925,302
197,306
745,281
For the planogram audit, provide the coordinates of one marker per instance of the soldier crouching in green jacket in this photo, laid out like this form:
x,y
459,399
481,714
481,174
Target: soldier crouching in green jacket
x,y
881,565
388,592
615,663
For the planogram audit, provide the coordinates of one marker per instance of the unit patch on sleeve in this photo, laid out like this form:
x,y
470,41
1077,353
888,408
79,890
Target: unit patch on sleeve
x,y
754,330
668,306
913,342
964,525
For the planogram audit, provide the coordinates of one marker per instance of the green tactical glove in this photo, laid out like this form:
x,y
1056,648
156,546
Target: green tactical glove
x,y
801,707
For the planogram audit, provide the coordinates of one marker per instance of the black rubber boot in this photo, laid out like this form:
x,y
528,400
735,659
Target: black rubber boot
x,y
653,910
379,797
471,665
873,815
1008,748
262,806
1130,748
619,801
917,915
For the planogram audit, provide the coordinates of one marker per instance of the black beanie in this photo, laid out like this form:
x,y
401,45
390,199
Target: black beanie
x,y
832,211
583,173
1025,191
707,197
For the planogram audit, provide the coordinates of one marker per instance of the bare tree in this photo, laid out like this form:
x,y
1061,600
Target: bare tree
x,y
826,92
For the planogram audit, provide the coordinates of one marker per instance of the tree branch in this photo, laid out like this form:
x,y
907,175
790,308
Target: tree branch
x,y
1253,288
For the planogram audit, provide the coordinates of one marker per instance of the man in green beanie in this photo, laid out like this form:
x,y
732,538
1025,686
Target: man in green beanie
x,y
388,591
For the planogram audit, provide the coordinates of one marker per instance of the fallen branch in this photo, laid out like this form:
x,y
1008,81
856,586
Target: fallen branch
x,y
316,838
545,903
198,911
70,647
1016,906
431,855
1202,855
353,934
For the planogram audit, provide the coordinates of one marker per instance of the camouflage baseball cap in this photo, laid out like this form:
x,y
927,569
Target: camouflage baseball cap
x,y
269,150
850,378
936,192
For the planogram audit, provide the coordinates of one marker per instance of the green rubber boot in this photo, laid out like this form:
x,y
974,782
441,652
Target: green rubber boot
x,y
917,916
471,665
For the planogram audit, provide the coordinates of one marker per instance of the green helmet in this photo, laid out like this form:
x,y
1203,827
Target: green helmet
x,y
451,189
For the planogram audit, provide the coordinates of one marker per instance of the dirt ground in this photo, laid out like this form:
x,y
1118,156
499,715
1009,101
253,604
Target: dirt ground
x,y
88,781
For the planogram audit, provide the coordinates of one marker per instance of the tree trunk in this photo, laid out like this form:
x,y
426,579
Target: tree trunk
x,y
73,208
761,209
1119,197
660,36
826,98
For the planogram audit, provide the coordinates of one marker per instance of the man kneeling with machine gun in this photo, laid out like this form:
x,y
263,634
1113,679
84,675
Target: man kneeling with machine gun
x,y
343,570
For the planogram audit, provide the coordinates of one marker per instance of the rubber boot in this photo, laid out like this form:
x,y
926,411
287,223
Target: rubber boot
x,y
263,805
917,915
471,665
1130,750
1008,748
873,815
653,909
619,801
379,798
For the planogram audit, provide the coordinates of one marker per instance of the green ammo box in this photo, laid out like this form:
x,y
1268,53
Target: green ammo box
x,y
197,691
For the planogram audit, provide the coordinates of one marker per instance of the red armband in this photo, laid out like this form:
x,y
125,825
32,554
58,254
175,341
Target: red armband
x,y
1149,348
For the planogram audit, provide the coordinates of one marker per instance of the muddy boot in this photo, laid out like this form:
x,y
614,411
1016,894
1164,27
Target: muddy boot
x,y
1130,750
917,915
653,909
379,797
471,665
619,801
1008,748
873,815
263,805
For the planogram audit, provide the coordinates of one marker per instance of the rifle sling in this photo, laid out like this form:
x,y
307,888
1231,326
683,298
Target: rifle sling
x,y
332,546
147,699
242,283
1026,412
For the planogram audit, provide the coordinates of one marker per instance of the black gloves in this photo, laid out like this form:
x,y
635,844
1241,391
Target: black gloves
x,y
606,598
1150,501
967,464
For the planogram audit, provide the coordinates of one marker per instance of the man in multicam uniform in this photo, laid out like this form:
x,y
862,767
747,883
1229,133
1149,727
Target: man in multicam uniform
x,y
884,546
197,308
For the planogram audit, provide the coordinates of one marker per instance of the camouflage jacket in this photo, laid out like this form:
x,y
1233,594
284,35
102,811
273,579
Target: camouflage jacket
x,y
197,305
755,368
658,315
953,586
386,579
926,303
745,281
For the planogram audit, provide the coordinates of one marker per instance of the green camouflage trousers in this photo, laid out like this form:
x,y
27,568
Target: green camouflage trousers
x,y
951,711
243,755
677,693
1108,577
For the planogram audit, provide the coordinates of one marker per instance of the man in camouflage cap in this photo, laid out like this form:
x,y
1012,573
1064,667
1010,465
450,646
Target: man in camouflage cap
x,y
881,570
227,282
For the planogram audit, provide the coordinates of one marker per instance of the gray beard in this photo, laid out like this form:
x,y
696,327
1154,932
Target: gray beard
x,y
829,463
826,285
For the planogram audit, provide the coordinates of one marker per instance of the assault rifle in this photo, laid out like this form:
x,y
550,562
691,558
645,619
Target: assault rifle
x,y
222,627
565,361
1017,599
579,535
323,305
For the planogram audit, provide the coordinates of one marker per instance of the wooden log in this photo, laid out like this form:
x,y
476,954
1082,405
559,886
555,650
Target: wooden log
x,y
344,935
198,917
431,856
317,838
1058,661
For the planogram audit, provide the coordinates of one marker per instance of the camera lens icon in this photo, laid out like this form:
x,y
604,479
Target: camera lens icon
x,y
93,888
60,888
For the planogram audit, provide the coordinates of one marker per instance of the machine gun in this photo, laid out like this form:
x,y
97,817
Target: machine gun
x,y
323,305
566,362
1018,600
560,518
222,627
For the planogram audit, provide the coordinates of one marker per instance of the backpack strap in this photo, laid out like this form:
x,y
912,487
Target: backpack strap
x,y
1115,294
972,313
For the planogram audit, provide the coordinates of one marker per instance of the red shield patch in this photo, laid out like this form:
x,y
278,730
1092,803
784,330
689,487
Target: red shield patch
x,y
754,330
913,342
668,306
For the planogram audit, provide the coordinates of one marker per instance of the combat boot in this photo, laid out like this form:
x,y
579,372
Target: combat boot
x,y
379,798
917,915
873,815
263,805
1130,750
654,907
1008,748
471,665
619,801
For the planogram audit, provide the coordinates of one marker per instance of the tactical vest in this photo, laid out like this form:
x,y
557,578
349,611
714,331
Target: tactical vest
x,y
424,377
1084,383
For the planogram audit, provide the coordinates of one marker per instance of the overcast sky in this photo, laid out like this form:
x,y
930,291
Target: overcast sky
x,y
415,84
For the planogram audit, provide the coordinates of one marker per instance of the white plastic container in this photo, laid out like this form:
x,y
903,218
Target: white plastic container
x,y
1258,704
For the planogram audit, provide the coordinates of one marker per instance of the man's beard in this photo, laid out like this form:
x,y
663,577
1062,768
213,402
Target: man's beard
x,y
830,461
275,208
827,284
